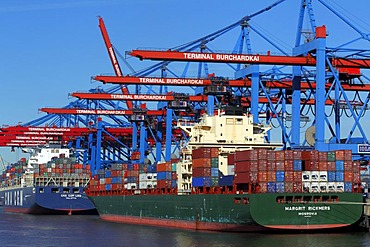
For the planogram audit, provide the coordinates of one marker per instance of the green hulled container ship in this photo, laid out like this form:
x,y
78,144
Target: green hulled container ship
x,y
229,179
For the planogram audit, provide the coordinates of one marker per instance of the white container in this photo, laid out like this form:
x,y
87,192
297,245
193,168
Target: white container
x,y
306,176
315,187
306,187
332,187
131,186
143,185
340,187
315,176
323,186
323,176
231,170
143,177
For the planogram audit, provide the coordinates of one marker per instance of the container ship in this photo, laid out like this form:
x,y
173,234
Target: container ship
x,y
229,179
50,182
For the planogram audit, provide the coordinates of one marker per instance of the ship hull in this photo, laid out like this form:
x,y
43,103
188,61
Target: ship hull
x,y
41,200
230,212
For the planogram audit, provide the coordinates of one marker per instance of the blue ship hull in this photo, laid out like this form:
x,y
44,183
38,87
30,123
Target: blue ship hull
x,y
46,200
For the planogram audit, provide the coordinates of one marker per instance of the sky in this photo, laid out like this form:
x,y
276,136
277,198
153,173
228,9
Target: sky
x,y
51,48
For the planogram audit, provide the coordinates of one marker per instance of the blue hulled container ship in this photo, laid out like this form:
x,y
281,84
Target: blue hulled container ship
x,y
50,182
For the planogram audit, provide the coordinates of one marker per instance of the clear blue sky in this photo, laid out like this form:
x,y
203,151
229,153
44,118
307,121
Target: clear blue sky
x,y
51,48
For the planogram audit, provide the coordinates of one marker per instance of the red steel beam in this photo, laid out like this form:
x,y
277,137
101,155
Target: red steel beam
x,y
143,97
244,58
79,111
206,82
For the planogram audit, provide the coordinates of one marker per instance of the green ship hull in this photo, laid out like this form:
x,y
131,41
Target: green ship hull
x,y
233,212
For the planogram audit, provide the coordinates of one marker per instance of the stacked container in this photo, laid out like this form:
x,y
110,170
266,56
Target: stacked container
x,y
205,167
295,171
165,176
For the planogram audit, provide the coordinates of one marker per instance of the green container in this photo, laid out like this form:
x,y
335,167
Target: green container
x,y
331,156
174,167
214,162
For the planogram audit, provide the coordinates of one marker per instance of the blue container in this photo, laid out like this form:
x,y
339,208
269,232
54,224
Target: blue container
x,y
130,167
297,165
214,172
271,187
116,180
164,176
280,176
339,165
152,168
331,176
347,187
108,187
339,176
226,180
174,184
132,179
280,187
201,181
108,173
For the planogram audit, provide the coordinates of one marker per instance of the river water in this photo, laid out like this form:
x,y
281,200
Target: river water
x,y
90,230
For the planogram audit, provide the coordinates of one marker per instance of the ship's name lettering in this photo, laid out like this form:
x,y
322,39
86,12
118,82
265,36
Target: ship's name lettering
x,y
309,208
307,213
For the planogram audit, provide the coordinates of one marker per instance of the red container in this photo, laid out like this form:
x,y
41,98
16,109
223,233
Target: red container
x,y
348,155
348,166
263,187
174,175
289,165
164,184
253,177
297,154
231,159
214,152
242,178
323,165
280,165
339,155
312,155
356,166
331,166
289,176
356,177
297,187
262,165
262,154
288,187
323,156
201,172
200,162
289,154
348,176
242,166
280,155
271,165
297,176
270,155
262,176
271,176
246,155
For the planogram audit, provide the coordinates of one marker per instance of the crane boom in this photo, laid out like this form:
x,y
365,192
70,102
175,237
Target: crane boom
x,y
245,58
113,58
